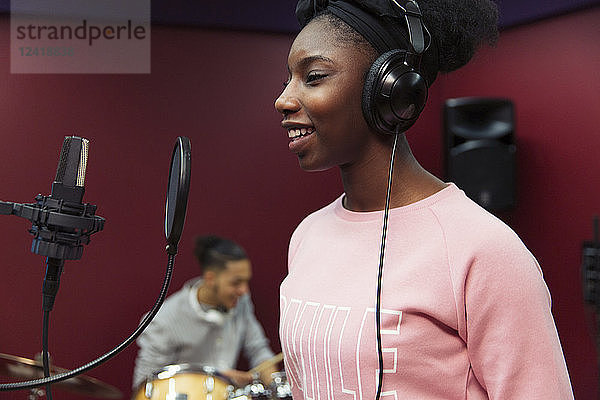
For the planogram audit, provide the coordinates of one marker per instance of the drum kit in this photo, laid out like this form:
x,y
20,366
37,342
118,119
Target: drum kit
x,y
200,382
172,382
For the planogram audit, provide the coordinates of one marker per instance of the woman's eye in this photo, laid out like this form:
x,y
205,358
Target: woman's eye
x,y
315,76
287,82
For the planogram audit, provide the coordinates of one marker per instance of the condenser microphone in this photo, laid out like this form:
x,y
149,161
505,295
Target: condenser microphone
x,y
60,223
63,240
70,222
70,174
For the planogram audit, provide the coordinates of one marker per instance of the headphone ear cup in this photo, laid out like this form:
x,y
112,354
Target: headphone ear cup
x,y
394,93
369,92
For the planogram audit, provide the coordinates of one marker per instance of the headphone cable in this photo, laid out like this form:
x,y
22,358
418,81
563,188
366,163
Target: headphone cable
x,y
380,269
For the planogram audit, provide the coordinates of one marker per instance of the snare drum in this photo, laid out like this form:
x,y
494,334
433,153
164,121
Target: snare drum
x,y
185,382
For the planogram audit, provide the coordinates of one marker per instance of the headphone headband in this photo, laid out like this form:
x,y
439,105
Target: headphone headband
x,y
416,27
395,92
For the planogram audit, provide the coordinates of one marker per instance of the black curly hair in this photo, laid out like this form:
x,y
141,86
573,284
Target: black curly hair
x,y
213,252
458,29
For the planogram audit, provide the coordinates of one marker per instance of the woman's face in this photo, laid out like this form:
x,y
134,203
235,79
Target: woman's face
x,y
321,103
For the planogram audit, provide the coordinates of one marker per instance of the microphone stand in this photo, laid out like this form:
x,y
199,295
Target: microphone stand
x,y
60,229
54,267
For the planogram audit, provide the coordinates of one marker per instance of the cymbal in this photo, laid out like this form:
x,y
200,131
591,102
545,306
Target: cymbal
x,y
26,369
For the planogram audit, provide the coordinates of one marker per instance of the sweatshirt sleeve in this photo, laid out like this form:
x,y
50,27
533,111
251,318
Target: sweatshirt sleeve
x,y
511,337
256,344
156,349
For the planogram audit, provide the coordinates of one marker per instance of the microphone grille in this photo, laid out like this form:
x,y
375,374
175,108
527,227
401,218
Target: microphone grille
x,y
82,162
62,162
73,161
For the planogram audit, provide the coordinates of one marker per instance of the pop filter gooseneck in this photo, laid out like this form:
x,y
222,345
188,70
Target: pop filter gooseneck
x,y
175,210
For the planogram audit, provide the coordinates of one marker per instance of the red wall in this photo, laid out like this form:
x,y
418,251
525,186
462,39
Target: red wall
x,y
218,88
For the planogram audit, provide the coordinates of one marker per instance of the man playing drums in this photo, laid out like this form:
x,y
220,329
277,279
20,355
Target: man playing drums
x,y
209,321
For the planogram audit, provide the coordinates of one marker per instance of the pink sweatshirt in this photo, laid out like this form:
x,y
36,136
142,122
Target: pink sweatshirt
x,y
465,310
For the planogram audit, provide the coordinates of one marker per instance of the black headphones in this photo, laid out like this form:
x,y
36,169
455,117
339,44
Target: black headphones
x,y
395,92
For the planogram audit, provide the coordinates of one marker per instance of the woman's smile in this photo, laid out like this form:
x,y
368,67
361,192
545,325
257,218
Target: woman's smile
x,y
321,102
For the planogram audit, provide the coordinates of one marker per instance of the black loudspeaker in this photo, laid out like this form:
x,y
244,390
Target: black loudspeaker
x,y
480,149
395,92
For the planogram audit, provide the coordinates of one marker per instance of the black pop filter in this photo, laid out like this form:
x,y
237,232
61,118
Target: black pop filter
x,y
177,192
